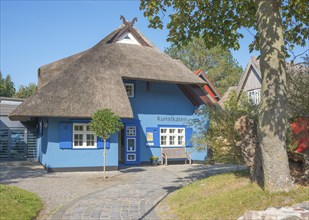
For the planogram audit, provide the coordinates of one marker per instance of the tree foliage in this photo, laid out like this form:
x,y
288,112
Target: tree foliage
x,y
7,88
218,63
298,89
103,124
276,24
221,137
219,22
26,91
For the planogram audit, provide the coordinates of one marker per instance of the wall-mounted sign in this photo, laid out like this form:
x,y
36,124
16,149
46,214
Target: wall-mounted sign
x,y
171,118
149,136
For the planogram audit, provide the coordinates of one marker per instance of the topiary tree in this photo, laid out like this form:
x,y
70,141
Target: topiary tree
x,y
103,124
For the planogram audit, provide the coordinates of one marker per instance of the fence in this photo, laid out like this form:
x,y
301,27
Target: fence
x,y
17,143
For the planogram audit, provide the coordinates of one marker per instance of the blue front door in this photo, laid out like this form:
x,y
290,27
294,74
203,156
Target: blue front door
x,y
131,147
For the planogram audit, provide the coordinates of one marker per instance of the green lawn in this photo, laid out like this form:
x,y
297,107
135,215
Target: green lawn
x,y
227,196
18,204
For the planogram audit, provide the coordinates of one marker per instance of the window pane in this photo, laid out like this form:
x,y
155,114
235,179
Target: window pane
x,y
172,131
180,131
90,140
78,128
78,140
163,130
172,140
180,140
88,128
163,140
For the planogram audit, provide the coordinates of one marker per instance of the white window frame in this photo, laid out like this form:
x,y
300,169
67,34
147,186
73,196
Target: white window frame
x,y
132,89
131,130
128,150
84,132
255,95
168,136
127,38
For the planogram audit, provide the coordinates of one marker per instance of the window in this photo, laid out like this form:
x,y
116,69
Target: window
x,y
172,137
131,131
255,95
129,89
83,137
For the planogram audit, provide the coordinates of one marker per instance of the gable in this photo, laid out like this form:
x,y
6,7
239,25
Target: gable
x,y
127,38
251,77
254,81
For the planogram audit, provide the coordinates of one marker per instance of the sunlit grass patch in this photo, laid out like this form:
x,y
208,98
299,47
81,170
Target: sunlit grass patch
x,y
228,196
17,203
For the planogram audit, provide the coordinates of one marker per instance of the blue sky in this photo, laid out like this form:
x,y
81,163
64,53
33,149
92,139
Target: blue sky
x,y
35,33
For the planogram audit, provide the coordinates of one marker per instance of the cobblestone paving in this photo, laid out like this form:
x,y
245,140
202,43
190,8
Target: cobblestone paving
x,y
132,193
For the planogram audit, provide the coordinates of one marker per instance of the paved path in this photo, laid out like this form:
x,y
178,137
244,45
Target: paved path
x,y
133,193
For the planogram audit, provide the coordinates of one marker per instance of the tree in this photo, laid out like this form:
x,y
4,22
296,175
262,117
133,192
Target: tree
x,y
218,63
103,124
2,85
7,88
26,91
218,23
221,137
298,89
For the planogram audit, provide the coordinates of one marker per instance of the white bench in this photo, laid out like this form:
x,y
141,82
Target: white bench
x,y
175,153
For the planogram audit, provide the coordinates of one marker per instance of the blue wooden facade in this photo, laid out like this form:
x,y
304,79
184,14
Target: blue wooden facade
x,y
156,106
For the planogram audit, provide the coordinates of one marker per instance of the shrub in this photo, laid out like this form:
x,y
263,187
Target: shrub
x,y
221,137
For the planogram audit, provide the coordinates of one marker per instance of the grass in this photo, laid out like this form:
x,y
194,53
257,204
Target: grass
x,y
228,196
17,203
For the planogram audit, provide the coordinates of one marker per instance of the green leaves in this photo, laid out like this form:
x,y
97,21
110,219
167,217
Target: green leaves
x,y
7,88
219,21
26,91
221,136
104,123
217,62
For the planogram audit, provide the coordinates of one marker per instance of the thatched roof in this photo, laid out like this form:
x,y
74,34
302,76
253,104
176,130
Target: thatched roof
x,y
79,85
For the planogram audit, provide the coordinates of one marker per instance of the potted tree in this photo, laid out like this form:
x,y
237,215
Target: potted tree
x,y
154,160
103,124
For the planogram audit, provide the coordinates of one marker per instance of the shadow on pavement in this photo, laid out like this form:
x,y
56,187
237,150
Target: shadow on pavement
x,y
10,171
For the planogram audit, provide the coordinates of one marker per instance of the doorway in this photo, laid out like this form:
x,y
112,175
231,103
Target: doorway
x,y
128,148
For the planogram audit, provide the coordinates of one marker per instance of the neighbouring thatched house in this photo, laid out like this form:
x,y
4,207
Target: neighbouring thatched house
x,y
154,95
250,83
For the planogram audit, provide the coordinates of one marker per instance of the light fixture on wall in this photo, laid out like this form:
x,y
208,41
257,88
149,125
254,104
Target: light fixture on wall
x,y
45,123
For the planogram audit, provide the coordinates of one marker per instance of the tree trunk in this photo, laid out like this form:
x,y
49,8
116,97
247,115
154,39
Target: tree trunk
x,y
247,129
272,117
104,156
